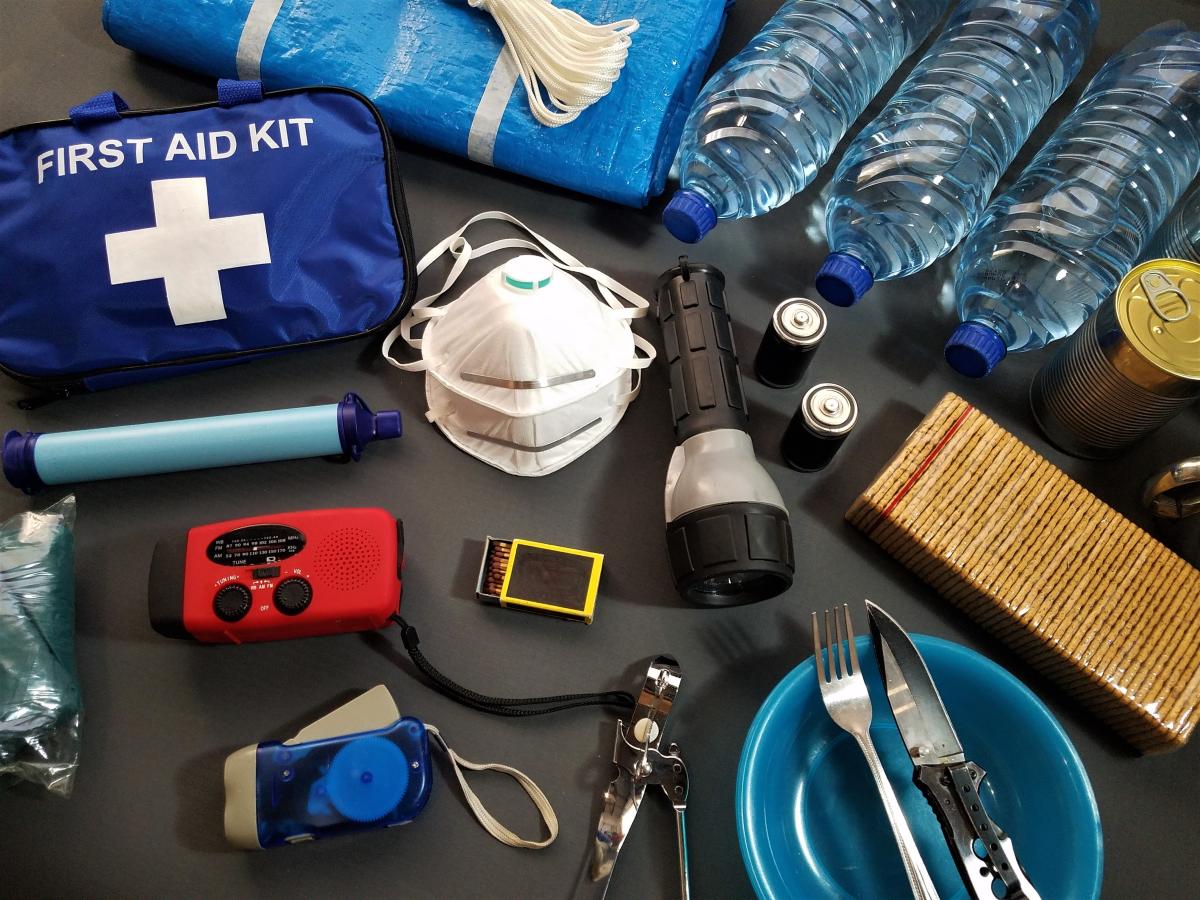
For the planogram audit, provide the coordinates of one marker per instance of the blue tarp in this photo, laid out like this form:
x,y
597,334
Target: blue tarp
x,y
426,64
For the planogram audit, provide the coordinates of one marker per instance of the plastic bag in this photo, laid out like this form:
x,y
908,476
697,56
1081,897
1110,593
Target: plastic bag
x,y
40,702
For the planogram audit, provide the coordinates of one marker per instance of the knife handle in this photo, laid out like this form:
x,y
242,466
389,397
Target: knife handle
x,y
953,792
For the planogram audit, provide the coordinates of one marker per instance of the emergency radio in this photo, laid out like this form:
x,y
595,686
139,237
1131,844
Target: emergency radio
x,y
289,575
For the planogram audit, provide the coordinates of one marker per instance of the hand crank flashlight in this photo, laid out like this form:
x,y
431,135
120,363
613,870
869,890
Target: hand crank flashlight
x,y
728,534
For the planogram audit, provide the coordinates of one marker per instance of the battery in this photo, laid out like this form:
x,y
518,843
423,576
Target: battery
x,y
1132,366
541,578
825,416
789,342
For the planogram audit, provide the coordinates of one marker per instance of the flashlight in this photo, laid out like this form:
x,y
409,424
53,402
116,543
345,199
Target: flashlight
x,y
728,534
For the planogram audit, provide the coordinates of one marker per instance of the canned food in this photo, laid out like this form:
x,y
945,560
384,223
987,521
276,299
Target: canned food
x,y
789,342
825,416
1132,366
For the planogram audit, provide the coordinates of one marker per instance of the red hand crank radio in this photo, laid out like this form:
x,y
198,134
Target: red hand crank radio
x,y
289,575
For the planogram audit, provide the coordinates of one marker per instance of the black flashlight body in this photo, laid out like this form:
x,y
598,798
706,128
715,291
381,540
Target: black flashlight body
x,y
728,534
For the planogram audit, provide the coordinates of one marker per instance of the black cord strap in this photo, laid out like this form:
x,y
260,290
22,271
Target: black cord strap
x,y
502,706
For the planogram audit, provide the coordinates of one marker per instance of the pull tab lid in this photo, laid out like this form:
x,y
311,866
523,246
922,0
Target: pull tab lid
x,y
1158,307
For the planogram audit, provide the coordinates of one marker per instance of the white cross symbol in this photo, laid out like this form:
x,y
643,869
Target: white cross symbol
x,y
187,249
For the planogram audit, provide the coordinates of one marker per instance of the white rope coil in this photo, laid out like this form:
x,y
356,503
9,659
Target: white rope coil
x,y
575,61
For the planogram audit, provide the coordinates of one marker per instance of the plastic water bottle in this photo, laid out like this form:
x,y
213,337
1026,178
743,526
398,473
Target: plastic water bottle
x,y
914,181
768,120
1050,249
1179,236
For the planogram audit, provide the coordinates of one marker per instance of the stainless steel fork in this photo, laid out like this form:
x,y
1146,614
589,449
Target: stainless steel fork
x,y
845,694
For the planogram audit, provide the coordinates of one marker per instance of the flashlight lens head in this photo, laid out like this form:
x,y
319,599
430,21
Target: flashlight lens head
x,y
731,554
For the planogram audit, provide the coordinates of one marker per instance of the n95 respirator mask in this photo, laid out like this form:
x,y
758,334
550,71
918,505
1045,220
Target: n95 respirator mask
x,y
528,368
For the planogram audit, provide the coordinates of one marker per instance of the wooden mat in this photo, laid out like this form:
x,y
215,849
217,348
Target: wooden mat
x,y
1077,590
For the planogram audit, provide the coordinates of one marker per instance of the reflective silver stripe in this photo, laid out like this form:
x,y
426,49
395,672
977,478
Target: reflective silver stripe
x,y
259,20
514,446
528,385
481,142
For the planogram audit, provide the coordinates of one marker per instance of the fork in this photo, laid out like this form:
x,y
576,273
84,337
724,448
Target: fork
x,y
849,705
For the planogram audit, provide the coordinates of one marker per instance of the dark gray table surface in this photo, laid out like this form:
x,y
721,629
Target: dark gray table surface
x,y
145,818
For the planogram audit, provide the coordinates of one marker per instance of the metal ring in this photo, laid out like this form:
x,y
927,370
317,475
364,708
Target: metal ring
x,y
1162,493
1153,293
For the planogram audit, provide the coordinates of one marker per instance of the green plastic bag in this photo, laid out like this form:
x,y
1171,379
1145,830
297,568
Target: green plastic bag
x,y
40,703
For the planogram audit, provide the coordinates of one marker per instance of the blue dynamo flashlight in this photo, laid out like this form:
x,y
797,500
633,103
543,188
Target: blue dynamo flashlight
x,y
363,766
33,460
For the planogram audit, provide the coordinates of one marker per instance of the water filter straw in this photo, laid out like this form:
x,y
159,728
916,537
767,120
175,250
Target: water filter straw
x,y
1054,246
34,460
769,119
912,184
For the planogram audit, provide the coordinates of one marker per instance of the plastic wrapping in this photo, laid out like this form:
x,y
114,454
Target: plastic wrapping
x,y
1077,590
435,71
40,702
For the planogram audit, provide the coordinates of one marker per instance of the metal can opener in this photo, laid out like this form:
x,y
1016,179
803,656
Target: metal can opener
x,y
639,764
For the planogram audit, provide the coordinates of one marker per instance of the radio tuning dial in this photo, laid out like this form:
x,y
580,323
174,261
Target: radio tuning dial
x,y
292,596
231,603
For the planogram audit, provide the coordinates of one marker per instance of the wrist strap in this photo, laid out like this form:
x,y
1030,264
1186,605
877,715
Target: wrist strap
x,y
490,823
513,707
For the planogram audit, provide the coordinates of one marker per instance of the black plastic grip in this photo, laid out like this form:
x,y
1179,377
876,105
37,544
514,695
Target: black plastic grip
x,y
165,594
706,387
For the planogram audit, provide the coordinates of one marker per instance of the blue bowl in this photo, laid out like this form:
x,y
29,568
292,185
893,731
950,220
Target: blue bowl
x,y
810,822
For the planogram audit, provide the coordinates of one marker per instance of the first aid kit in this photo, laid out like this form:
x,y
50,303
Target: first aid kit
x,y
143,244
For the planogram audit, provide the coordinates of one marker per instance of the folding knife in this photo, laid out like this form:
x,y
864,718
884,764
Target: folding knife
x,y
949,781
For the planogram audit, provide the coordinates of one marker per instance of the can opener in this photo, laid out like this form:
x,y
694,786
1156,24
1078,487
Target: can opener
x,y
639,763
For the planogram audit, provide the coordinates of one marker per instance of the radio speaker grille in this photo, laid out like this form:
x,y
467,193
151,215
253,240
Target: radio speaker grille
x,y
348,559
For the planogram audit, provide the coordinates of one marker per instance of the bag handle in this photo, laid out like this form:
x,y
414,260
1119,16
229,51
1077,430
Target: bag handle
x,y
104,107
456,244
107,106
231,92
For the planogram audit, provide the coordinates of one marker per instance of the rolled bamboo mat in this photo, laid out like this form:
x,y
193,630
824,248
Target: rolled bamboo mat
x,y
1077,590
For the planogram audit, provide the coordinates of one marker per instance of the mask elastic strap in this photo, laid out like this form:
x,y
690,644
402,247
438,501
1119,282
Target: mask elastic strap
x,y
490,823
637,364
457,245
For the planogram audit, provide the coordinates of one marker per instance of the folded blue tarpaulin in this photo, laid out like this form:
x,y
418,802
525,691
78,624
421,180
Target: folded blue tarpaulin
x,y
435,69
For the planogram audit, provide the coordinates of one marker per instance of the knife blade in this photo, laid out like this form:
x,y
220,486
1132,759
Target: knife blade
x,y
949,781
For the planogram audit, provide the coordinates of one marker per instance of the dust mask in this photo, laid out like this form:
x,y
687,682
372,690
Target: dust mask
x,y
528,369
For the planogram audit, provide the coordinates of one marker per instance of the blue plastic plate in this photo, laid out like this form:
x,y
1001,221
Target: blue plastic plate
x,y
810,821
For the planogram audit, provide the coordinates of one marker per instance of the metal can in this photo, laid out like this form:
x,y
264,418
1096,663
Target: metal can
x,y
1131,366
825,416
789,342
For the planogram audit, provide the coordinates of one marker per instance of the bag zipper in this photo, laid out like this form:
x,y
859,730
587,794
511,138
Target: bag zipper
x,y
52,388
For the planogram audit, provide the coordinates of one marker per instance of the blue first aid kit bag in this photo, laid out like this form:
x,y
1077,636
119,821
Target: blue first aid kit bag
x,y
135,245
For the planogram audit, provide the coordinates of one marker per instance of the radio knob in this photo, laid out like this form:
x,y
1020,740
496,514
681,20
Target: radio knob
x,y
292,596
231,603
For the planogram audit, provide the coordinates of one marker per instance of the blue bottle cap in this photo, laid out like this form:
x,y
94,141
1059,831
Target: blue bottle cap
x,y
689,216
367,779
974,349
19,466
358,426
843,279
